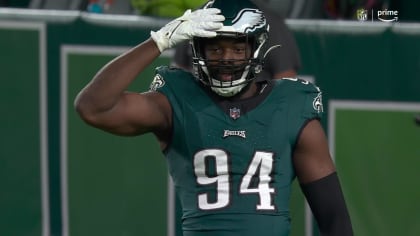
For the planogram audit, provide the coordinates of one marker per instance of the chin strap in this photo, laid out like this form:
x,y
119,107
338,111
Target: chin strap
x,y
228,91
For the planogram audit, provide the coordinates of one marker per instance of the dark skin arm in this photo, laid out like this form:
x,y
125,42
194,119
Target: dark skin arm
x,y
312,159
104,103
319,182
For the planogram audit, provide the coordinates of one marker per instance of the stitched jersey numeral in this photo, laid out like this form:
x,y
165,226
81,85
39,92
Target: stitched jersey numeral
x,y
262,161
260,167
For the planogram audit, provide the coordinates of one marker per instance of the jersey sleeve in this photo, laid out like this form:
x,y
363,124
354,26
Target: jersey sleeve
x,y
170,81
174,83
159,83
312,106
304,101
304,98
179,87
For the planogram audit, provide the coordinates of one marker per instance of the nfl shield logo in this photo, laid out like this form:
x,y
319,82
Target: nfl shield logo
x,y
361,14
235,113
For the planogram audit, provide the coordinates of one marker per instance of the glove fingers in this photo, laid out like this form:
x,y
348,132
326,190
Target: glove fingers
x,y
218,18
205,33
210,25
200,23
209,14
207,11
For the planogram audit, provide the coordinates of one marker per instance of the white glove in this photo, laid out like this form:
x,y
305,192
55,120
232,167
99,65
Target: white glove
x,y
200,23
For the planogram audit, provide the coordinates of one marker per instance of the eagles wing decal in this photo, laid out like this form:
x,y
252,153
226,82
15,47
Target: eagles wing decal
x,y
248,20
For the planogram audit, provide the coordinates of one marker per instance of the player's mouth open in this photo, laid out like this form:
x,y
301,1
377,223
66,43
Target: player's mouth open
x,y
226,77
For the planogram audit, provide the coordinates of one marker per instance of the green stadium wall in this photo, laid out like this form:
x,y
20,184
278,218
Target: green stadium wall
x,y
61,177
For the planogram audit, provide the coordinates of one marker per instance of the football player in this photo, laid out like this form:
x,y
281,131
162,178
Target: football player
x,y
233,143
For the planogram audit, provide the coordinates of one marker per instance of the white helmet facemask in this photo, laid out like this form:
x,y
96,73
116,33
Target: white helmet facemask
x,y
227,88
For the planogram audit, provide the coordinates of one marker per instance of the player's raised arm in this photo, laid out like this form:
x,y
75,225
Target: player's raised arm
x,y
105,104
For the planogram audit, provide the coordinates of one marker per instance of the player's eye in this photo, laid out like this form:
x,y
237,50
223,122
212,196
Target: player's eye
x,y
214,50
240,49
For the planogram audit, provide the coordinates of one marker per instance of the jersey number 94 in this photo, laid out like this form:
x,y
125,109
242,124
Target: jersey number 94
x,y
261,165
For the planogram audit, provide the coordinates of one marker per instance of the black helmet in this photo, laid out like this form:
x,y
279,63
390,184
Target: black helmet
x,y
243,20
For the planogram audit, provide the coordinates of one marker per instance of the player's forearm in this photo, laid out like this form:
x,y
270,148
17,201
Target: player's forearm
x,y
108,85
327,202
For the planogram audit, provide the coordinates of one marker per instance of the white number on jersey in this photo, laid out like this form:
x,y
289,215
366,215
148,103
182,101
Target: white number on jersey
x,y
221,179
262,163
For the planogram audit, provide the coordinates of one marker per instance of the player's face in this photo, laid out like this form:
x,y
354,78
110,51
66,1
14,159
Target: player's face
x,y
227,57
227,49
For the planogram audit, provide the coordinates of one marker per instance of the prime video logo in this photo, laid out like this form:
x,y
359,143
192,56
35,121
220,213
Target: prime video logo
x,y
382,15
387,16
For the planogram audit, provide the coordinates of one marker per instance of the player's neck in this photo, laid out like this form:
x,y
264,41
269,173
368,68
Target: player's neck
x,y
251,90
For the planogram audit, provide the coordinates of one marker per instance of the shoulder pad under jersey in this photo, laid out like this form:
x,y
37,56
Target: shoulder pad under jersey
x,y
302,93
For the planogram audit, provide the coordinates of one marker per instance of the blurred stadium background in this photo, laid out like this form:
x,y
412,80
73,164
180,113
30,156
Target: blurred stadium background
x,y
59,177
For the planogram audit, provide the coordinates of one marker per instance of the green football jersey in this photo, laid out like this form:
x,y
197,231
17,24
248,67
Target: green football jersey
x,y
231,162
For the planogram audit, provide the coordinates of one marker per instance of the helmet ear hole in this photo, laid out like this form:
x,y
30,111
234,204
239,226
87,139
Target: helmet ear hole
x,y
258,69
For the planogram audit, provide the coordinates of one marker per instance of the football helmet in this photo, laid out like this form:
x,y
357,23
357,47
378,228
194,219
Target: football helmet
x,y
243,21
